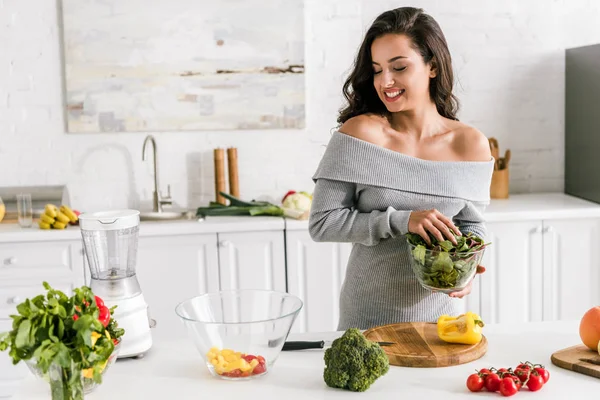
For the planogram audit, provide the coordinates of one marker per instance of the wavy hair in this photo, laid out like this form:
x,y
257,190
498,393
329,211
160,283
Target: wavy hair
x,y
427,38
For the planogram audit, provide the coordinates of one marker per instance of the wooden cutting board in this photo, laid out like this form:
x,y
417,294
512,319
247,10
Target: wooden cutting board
x,y
579,359
418,345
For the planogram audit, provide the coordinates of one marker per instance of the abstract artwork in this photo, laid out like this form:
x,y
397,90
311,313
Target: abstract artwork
x,y
183,65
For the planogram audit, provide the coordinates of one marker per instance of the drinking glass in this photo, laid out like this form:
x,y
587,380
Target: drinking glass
x,y
24,210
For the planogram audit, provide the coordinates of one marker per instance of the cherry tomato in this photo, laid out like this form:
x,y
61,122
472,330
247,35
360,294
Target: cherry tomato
x,y
104,316
522,374
508,387
475,382
535,382
492,382
115,341
259,369
502,371
249,357
75,317
523,366
543,373
99,302
483,372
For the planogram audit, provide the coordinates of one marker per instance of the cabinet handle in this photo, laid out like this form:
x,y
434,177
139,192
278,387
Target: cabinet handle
x,y
224,243
14,300
548,229
538,229
10,261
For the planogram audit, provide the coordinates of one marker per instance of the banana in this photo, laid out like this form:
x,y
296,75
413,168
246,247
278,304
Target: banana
x,y
60,217
43,225
59,225
69,213
45,218
51,210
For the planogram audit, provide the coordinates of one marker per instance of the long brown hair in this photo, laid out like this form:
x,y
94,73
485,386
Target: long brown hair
x,y
427,38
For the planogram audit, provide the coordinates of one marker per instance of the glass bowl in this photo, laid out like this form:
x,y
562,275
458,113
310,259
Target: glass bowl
x,y
239,333
442,271
88,383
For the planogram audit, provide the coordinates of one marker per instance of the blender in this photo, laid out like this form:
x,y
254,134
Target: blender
x,y
110,241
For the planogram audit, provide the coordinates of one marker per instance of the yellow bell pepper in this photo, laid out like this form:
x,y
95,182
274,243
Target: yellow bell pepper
x,y
465,329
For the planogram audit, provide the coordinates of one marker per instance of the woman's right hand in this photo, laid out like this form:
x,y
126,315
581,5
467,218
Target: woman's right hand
x,y
440,226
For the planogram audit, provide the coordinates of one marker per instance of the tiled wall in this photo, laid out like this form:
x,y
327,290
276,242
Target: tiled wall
x,y
509,64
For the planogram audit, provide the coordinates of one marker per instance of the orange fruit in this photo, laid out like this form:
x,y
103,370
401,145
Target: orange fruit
x,y
589,328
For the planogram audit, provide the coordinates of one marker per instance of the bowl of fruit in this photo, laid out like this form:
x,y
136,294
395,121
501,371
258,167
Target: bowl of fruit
x,y
239,333
442,266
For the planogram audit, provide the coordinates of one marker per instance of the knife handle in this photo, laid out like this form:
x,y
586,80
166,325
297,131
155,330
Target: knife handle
x,y
301,345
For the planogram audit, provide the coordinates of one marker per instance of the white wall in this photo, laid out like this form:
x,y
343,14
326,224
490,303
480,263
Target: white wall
x,y
509,62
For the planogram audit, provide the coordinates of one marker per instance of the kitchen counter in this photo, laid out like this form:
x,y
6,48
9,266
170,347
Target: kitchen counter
x,y
173,370
518,207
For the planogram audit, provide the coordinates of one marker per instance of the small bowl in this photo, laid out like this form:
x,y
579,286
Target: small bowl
x,y
441,271
239,333
88,384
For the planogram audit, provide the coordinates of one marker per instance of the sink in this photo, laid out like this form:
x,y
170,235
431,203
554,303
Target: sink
x,y
167,215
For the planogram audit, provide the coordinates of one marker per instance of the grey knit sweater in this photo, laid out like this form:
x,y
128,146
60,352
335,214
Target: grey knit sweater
x,y
364,194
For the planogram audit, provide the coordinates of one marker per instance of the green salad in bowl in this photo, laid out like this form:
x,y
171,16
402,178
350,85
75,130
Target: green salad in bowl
x,y
442,266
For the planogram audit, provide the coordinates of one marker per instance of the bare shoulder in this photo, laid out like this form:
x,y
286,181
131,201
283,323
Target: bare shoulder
x,y
472,144
366,127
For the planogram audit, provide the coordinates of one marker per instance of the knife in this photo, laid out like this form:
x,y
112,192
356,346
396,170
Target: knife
x,y
304,345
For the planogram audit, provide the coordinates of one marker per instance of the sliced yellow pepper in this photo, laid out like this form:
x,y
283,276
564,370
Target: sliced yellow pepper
x,y
465,328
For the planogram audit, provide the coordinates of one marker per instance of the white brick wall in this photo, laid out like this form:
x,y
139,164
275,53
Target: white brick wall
x,y
508,57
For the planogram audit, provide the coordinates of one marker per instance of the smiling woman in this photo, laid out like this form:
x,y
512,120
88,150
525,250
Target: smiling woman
x,y
400,162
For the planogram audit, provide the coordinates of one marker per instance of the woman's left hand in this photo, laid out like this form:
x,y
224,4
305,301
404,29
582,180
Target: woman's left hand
x,y
467,290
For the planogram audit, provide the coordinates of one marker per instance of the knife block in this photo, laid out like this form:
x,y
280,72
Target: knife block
x,y
499,188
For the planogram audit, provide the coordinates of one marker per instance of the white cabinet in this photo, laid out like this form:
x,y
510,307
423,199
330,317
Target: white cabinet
x,y
538,270
315,273
23,268
252,260
171,269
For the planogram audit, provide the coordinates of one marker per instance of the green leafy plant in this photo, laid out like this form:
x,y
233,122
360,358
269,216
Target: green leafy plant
x,y
443,265
54,329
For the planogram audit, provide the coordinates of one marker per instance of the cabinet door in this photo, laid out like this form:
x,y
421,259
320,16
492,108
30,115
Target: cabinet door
x,y
315,273
171,269
571,268
510,291
252,260
10,375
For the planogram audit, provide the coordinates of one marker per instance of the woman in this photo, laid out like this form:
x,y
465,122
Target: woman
x,y
400,162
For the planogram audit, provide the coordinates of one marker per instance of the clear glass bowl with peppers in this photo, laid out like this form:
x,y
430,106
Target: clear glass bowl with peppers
x,y
441,266
239,333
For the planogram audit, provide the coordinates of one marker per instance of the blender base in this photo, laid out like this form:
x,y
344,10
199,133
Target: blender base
x,y
132,315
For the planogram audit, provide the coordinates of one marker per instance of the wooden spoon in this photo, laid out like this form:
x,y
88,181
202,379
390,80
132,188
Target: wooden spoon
x,y
506,158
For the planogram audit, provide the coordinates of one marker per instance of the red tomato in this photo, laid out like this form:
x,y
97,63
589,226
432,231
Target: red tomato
x,y
508,387
475,382
259,369
535,383
99,302
104,316
523,366
543,373
248,357
75,317
484,372
492,382
522,374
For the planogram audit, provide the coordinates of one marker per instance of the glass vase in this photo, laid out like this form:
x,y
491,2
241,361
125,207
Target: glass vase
x,y
66,383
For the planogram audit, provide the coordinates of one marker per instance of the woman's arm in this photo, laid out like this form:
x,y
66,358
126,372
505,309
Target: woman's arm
x,y
333,217
471,219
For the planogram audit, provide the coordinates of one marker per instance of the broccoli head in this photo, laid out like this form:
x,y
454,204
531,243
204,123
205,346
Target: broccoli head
x,y
353,362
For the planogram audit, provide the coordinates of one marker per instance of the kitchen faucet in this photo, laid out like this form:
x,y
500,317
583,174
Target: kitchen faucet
x,y
157,199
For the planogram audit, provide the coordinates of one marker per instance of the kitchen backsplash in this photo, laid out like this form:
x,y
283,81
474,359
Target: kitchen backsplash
x,y
509,59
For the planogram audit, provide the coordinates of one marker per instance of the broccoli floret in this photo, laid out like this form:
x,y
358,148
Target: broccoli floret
x,y
353,362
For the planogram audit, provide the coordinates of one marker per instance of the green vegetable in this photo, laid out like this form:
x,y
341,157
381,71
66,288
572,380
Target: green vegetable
x,y
443,265
46,331
353,362
239,207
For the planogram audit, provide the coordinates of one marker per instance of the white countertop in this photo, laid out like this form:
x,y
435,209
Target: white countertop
x,y
518,207
174,370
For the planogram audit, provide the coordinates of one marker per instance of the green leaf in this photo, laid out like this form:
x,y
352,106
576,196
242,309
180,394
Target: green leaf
x,y
22,339
24,309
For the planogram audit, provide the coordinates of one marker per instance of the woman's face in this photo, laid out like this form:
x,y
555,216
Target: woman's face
x,y
401,78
